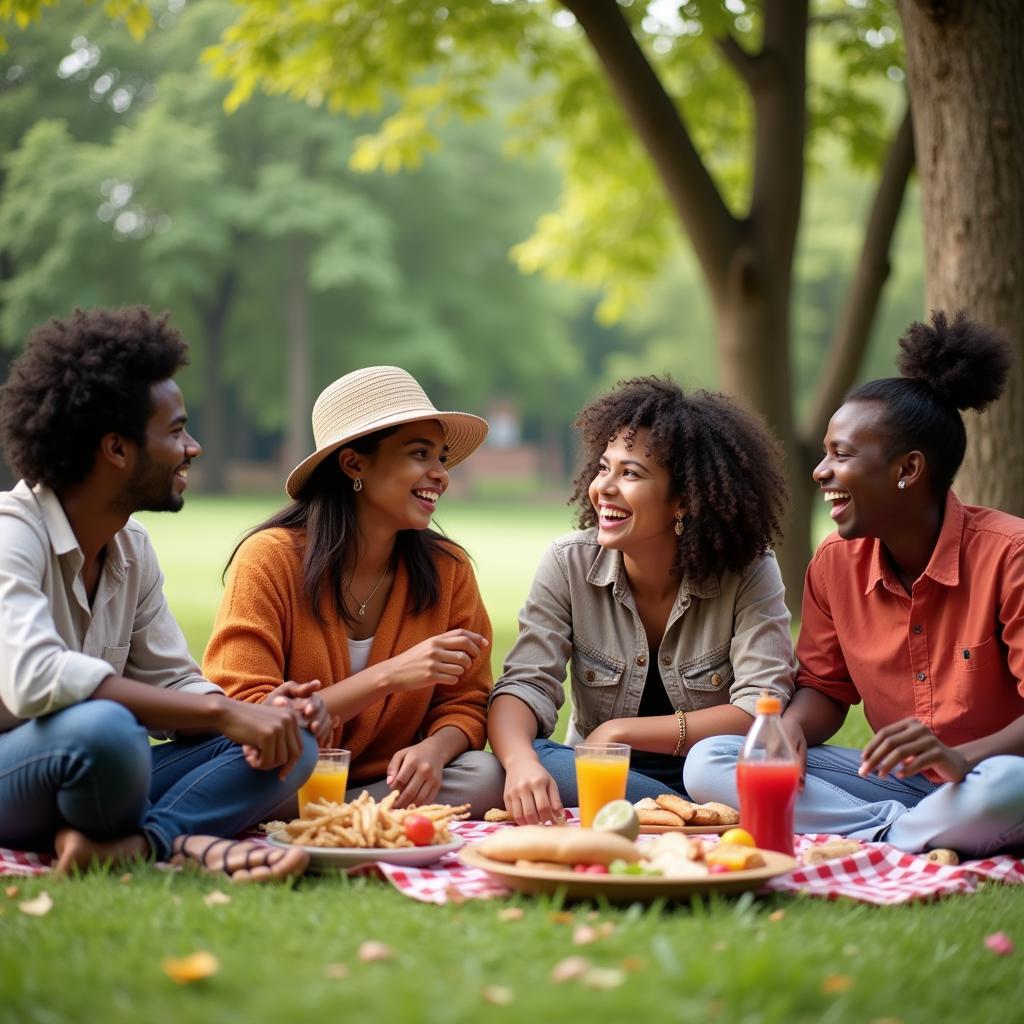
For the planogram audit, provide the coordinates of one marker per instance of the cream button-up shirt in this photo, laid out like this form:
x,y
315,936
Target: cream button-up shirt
x,y
55,648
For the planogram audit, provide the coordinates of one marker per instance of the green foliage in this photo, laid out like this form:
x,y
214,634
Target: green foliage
x,y
612,226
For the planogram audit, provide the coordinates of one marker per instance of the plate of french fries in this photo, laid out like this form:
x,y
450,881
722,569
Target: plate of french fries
x,y
339,836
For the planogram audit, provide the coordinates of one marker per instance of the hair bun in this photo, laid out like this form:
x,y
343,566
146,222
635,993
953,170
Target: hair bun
x,y
965,362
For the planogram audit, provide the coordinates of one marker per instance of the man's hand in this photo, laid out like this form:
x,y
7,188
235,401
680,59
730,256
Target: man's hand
x,y
270,736
531,795
416,772
908,747
796,736
304,699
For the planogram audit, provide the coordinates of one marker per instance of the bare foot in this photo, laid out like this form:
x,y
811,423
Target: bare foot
x,y
76,851
240,859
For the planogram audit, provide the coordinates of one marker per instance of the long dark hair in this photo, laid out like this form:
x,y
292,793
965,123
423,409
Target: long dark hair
x,y
326,511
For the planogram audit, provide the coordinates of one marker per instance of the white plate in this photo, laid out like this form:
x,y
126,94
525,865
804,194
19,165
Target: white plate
x,y
341,858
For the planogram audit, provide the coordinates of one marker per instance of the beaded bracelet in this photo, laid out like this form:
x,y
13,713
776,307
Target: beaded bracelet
x,y
681,715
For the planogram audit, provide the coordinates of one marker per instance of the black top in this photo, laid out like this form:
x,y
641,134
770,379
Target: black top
x,y
654,701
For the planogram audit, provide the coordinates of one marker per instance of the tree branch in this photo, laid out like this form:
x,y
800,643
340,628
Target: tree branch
x,y
712,229
743,61
853,329
780,101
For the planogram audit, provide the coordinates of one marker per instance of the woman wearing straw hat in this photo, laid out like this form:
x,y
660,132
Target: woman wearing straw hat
x,y
347,585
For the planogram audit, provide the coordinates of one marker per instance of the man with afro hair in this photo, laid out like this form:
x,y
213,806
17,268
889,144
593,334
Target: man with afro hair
x,y
91,659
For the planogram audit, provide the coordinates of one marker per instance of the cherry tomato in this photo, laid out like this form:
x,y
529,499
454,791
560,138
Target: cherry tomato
x,y
420,829
719,869
597,869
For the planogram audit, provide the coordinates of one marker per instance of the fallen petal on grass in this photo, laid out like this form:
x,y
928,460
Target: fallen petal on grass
x,y
126,878
569,968
603,978
11,891
834,984
561,917
216,899
188,969
1000,943
511,914
371,952
336,971
498,995
776,915
39,907
584,934
632,964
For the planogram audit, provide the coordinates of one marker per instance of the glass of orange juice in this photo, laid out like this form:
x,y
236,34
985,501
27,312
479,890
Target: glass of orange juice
x,y
329,779
601,770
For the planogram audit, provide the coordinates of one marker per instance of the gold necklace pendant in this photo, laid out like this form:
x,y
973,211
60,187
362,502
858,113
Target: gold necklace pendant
x,y
361,605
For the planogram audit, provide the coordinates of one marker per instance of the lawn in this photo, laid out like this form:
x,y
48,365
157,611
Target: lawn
x,y
96,955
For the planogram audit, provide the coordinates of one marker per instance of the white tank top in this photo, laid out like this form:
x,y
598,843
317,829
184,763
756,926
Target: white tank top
x,y
359,653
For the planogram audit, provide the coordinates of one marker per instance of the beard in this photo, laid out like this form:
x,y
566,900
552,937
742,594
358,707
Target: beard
x,y
151,488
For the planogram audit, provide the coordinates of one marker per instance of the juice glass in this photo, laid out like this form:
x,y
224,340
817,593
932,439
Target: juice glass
x,y
601,770
328,781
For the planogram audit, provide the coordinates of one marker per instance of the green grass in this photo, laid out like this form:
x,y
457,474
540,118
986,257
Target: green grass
x,y
96,956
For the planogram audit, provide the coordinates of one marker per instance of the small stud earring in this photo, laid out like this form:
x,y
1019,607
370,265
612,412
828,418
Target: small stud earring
x,y
679,524
357,485
902,485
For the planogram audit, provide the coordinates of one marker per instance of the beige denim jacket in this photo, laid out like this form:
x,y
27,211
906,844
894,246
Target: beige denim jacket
x,y
726,640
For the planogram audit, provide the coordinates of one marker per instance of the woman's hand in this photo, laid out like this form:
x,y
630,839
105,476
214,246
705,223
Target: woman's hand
x,y
615,730
531,795
439,661
908,747
304,699
416,772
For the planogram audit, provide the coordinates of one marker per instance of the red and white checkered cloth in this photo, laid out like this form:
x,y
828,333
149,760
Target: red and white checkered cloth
x,y
878,873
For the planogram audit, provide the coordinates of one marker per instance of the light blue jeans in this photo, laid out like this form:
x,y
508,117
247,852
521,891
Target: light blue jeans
x,y
980,815
91,767
559,762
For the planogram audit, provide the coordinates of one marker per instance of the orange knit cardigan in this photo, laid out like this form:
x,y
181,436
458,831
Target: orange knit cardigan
x,y
265,632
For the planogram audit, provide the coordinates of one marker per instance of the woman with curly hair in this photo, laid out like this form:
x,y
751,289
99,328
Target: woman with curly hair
x,y
915,606
667,604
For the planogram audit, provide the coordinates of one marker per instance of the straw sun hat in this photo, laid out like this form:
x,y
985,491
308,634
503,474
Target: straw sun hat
x,y
371,399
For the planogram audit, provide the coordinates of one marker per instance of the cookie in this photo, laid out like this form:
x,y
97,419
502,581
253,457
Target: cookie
x,y
831,851
677,805
940,856
497,814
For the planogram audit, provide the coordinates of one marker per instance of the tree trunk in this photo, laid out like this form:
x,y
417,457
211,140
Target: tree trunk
x,y
965,63
298,442
214,440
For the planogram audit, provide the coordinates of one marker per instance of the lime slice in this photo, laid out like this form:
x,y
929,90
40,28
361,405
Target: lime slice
x,y
619,817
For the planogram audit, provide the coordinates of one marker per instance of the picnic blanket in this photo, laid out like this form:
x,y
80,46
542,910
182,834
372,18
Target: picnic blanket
x,y
878,873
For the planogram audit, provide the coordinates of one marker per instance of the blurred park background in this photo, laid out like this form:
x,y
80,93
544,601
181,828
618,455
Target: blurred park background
x,y
490,194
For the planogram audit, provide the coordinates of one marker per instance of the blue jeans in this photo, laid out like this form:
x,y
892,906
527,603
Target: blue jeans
x,y
559,762
91,767
977,816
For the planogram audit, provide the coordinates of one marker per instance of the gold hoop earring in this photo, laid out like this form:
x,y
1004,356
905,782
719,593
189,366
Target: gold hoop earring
x,y
679,524
357,485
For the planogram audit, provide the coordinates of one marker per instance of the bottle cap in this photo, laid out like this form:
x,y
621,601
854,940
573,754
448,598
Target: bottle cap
x,y
768,705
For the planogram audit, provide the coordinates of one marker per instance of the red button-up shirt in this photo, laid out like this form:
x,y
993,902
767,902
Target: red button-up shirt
x,y
950,653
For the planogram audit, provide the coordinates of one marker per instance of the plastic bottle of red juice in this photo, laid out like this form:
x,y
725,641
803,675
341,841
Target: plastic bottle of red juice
x,y
767,777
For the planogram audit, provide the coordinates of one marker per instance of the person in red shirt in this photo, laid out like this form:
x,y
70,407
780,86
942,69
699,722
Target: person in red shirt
x,y
915,606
